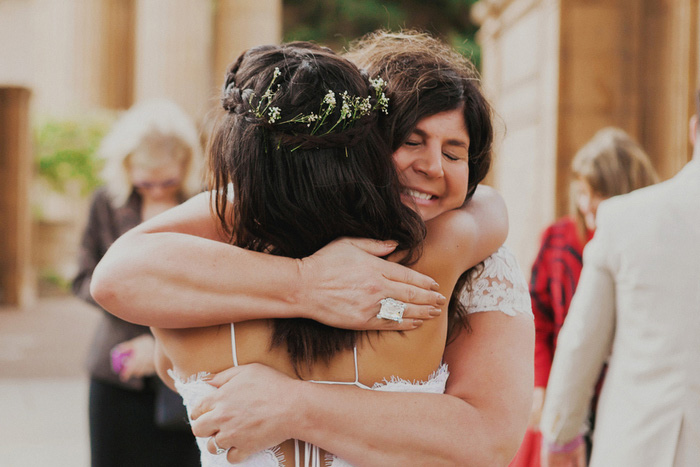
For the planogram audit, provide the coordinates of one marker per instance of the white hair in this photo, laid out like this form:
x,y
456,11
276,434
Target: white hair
x,y
143,121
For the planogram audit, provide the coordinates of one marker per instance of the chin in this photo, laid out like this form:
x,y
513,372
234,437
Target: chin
x,y
426,216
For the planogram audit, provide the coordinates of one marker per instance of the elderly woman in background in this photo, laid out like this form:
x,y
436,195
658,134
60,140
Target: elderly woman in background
x,y
153,161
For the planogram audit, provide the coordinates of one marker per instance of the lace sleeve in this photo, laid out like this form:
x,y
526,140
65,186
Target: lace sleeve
x,y
500,286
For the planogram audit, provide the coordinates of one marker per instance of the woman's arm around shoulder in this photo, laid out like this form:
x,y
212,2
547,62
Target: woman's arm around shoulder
x,y
473,232
177,271
480,421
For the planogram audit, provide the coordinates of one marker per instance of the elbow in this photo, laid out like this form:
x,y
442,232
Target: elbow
x,y
497,452
107,288
102,289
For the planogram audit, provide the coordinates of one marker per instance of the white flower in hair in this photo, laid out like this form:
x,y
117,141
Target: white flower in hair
x,y
352,109
274,114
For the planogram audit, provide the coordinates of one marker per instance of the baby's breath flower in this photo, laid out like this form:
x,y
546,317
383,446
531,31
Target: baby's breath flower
x,y
364,106
352,109
274,114
329,99
378,84
383,103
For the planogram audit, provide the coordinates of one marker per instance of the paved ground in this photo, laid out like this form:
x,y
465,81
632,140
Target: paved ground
x,y
43,385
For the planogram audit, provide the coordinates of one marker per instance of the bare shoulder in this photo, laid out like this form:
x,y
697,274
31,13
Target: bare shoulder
x,y
195,350
193,217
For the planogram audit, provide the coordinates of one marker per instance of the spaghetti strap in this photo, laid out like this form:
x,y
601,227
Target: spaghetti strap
x,y
357,371
233,345
351,383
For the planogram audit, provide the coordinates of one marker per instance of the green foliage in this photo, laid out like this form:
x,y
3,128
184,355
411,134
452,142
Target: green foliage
x,y
335,23
55,280
65,152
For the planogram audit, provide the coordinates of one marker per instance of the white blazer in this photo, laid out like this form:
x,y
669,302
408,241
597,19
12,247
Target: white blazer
x,y
638,304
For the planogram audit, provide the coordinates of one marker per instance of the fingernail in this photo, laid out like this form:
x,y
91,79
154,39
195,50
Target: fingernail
x,y
435,312
417,323
435,286
441,299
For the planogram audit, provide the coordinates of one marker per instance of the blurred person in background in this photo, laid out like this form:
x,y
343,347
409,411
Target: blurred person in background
x,y
637,308
610,164
153,162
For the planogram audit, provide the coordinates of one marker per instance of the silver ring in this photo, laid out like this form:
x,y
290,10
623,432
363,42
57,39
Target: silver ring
x,y
219,450
391,309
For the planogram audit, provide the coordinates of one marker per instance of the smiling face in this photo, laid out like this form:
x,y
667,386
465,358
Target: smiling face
x,y
433,164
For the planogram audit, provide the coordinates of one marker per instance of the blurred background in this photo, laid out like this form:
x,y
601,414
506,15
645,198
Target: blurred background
x,y
555,70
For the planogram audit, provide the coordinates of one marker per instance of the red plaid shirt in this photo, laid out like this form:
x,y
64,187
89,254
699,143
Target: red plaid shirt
x,y
555,275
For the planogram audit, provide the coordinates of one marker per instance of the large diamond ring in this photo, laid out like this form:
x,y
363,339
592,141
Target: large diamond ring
x,y
391,309
219,450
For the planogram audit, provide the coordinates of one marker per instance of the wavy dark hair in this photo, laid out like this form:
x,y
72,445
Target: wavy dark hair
x,y
425,77
294,192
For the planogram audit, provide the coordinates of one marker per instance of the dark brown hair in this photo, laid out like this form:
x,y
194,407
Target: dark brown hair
x,y
293,191
425,77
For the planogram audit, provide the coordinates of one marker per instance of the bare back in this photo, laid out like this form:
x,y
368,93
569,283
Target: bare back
x,y
412,355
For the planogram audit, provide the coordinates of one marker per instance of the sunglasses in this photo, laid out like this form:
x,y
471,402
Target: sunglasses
x,y
171,182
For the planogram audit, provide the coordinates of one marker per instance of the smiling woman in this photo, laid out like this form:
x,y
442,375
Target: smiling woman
x,y
433,164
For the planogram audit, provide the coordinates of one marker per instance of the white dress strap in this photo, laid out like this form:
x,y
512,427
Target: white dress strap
x,y
357,368
234,354
356,382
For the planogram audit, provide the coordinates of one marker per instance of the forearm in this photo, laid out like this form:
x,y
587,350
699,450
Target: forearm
x,y
378,428
205,282
176,270
480,420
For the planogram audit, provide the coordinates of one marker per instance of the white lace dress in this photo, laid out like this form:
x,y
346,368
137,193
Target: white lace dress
x,y
499,287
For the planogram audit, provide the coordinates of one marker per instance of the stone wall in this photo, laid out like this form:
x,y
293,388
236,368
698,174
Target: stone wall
x,y
79,56
559,70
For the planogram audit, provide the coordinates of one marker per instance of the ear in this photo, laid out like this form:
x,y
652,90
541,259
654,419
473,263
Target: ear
x,y
693,129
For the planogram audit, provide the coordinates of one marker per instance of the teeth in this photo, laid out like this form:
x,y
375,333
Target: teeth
x,y
418,194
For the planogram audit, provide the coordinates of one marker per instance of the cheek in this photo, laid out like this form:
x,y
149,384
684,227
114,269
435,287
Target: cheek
x,y
402,160
460,184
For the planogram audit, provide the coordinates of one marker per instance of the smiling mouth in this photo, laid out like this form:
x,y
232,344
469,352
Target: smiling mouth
x,y
418,194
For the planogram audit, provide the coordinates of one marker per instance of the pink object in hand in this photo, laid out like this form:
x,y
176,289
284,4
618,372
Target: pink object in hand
x,y
118,359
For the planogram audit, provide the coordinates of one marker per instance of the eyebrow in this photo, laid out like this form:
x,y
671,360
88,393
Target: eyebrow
x,y
451,142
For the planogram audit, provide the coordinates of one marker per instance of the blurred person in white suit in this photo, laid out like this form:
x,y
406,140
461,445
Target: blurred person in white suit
x,y
637,306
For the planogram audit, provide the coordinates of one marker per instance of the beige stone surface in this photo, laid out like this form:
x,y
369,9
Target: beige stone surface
x,y
43,385
558,71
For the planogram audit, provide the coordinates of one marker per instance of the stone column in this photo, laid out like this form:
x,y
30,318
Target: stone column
x,y
241,24
668,44
118,26
560,70
520,58
173,52
16,281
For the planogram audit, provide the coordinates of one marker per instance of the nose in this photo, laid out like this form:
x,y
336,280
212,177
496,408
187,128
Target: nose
x,y
429,162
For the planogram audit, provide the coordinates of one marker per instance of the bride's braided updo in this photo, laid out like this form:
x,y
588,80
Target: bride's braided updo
x,y
306,169
290,92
